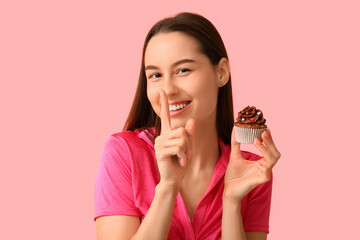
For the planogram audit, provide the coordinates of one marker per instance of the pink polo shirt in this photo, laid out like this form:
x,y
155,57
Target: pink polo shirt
x,y
126,180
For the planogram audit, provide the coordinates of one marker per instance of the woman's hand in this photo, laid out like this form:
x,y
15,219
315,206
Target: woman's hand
x,y
173,147
243,175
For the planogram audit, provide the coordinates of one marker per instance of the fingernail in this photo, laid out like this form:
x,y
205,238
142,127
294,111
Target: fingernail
x,y
269,131
257,141
162,93
266,134
182,163
190,154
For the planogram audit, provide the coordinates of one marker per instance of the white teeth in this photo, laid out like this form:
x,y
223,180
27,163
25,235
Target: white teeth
x,y
176,107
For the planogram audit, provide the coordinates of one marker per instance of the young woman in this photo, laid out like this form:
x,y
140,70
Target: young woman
x,y
176,172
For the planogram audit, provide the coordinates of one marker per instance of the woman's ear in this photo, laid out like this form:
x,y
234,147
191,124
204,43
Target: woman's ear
x,y
223,71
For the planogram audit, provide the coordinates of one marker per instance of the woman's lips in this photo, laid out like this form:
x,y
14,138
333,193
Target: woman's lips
x,y
178,107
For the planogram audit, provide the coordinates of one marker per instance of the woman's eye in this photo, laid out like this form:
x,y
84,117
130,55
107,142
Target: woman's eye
x,y
155,75
184,70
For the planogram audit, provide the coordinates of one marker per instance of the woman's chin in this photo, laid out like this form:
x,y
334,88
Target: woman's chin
x,y
177,124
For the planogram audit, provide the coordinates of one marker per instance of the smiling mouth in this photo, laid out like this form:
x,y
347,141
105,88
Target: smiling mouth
x,y
177,107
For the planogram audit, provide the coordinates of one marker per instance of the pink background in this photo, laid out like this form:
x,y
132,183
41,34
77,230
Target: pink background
x,y
69,69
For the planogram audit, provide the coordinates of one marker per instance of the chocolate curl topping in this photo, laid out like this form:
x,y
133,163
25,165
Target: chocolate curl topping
x,y
251,115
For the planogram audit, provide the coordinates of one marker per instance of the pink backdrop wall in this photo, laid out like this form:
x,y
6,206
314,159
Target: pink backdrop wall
x,y
68,72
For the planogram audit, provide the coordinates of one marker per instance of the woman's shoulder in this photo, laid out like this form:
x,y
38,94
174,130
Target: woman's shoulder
x,y
134,139
127,148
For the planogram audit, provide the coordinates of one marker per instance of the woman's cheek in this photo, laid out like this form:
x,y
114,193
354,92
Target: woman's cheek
x,y
153,94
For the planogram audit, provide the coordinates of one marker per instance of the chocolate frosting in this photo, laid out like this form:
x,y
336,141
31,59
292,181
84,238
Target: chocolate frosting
x,y
251,117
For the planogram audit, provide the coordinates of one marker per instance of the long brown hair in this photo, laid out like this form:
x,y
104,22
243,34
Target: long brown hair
x,y
142,115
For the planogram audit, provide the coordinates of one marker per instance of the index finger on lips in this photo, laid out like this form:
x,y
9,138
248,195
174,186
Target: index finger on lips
x,y
164,113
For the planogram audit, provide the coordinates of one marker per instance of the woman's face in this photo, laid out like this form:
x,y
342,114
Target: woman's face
x,y
174,63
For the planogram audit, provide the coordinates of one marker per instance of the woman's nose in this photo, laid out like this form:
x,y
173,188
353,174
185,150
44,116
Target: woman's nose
x,y
170,87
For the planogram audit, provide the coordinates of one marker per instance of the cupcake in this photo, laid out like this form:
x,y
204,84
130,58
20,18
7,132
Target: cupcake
x,y
249,125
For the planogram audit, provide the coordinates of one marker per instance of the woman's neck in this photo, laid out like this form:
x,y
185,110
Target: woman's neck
x,y
205,149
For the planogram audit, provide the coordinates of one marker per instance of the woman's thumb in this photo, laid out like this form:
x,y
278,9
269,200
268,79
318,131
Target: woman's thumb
x,y
235,146
190,130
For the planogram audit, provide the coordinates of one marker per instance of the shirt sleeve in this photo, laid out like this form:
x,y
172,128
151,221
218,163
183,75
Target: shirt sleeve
x,y
113,193
257,212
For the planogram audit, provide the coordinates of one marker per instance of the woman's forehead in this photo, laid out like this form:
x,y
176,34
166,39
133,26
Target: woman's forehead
x,y
170,47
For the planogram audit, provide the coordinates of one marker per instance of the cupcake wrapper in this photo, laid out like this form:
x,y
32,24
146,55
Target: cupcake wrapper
x,y
248,135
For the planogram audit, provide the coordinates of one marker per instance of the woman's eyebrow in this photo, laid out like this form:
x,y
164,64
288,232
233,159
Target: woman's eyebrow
x,y
174,64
